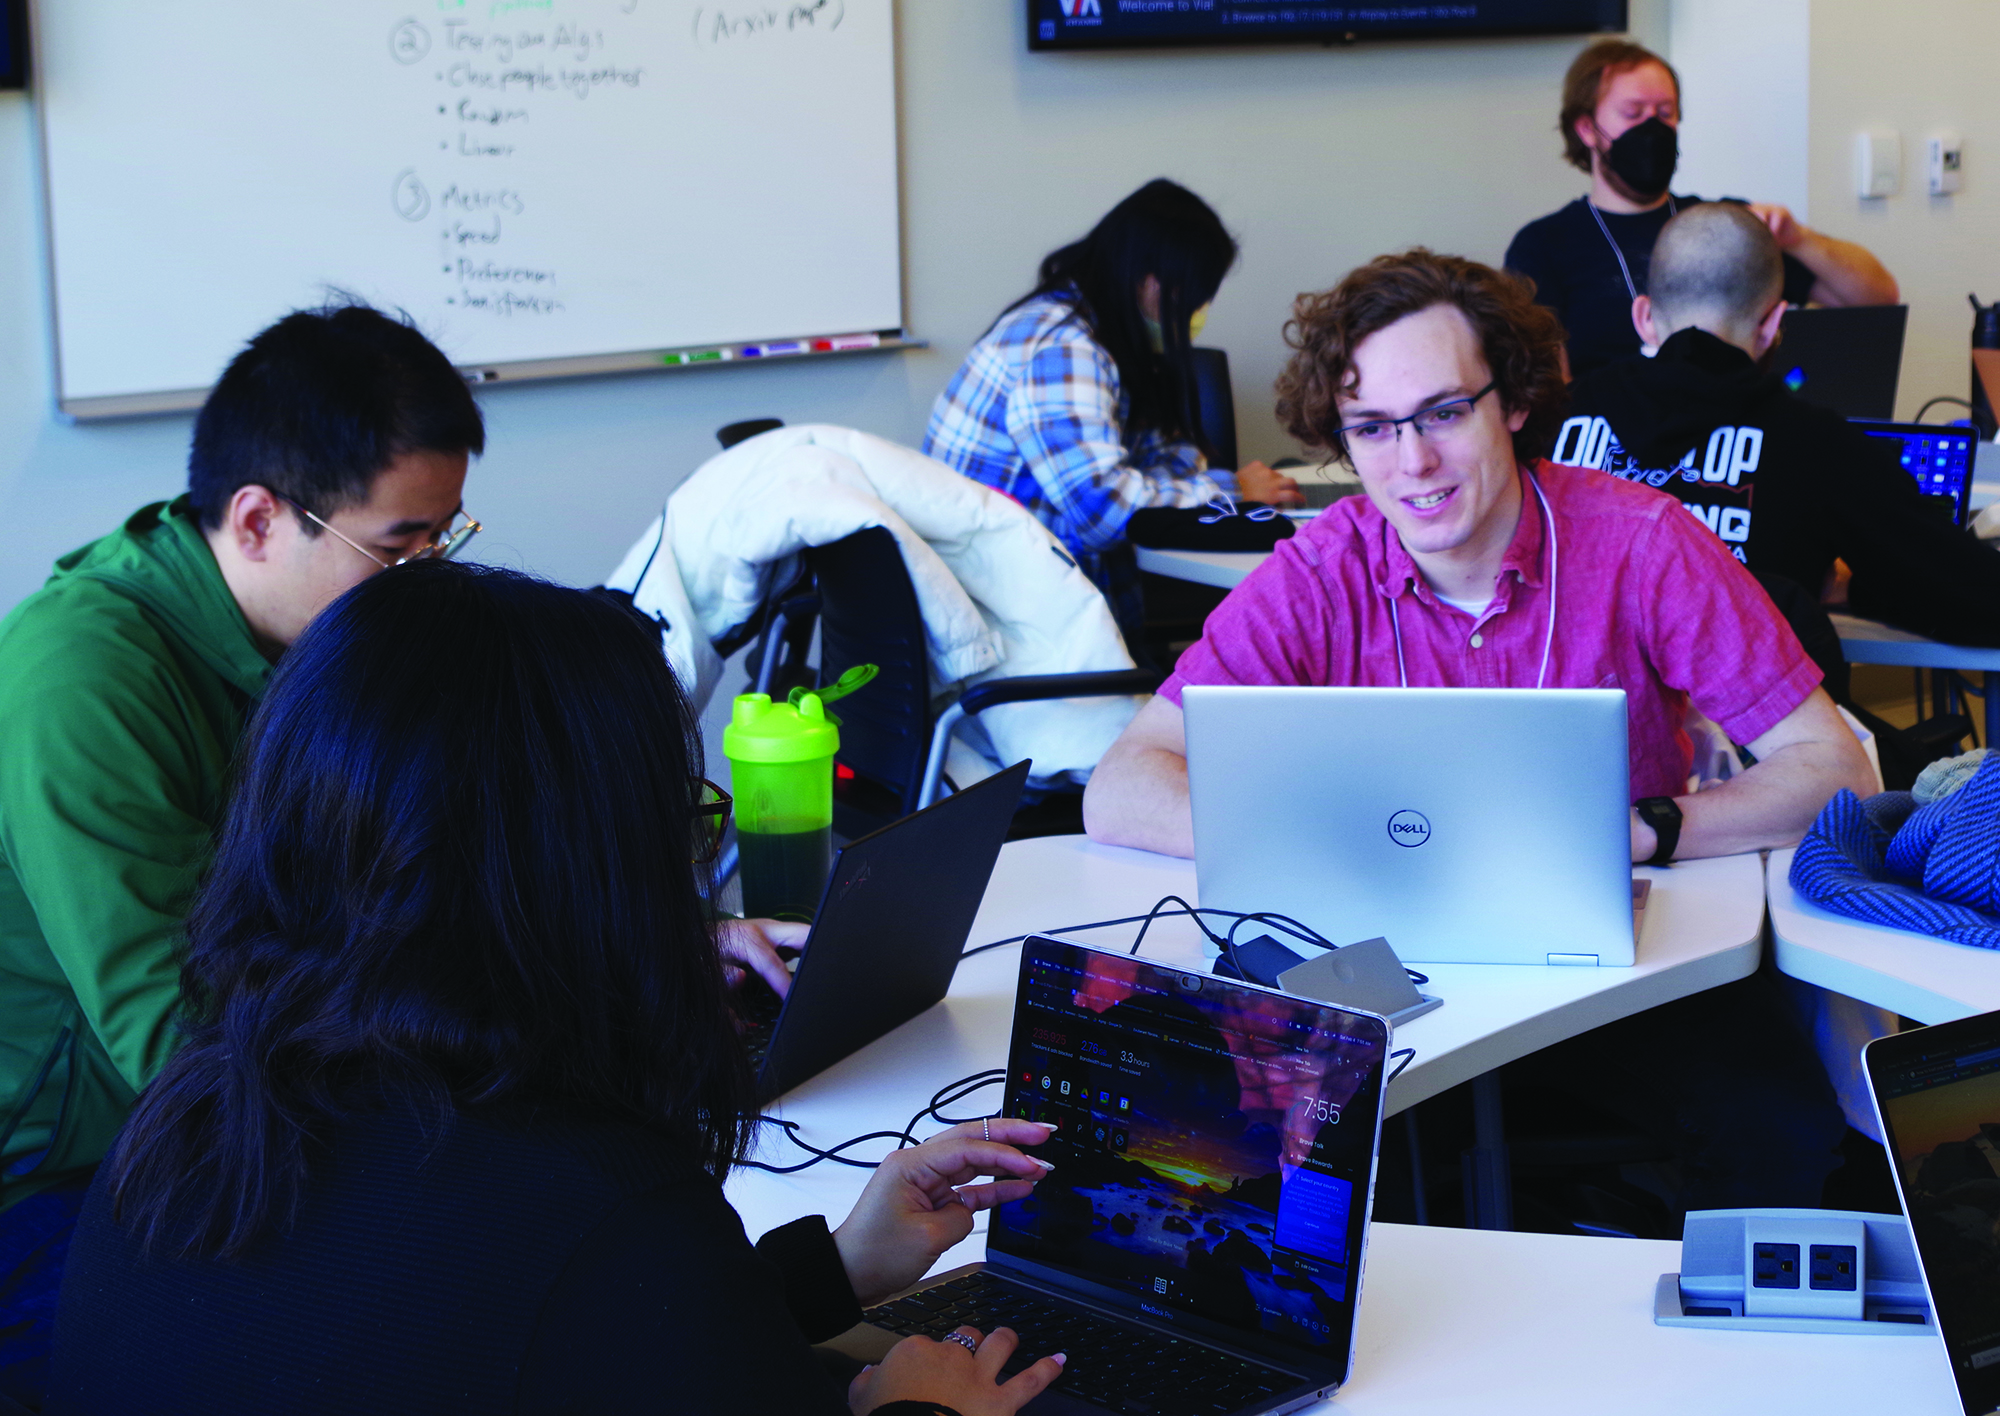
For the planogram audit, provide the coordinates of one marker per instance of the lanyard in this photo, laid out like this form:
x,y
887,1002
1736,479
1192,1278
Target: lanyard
x,y
1673,210
1548,640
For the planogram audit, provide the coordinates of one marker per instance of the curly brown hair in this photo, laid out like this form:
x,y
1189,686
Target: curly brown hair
x,y
1522,341
1584,85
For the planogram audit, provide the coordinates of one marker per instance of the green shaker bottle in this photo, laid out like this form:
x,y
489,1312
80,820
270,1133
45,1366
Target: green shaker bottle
x,y
781,774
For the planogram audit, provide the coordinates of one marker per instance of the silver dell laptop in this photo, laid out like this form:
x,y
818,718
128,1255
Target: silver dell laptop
x,y
1464,825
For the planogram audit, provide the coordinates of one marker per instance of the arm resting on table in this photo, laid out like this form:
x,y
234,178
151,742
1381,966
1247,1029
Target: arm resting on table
x,y
1801,763
1138,796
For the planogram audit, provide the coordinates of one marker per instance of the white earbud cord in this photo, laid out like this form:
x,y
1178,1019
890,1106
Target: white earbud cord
x,y
1548,639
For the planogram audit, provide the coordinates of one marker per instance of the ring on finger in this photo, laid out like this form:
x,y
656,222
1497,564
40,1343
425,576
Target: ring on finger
x,y
963,1339
986,1127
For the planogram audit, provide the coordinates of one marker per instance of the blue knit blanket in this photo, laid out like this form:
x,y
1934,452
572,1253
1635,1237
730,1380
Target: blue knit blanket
x,y
1929,867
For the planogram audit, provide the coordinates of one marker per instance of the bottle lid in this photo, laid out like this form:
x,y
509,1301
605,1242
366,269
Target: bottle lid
x,y
762,731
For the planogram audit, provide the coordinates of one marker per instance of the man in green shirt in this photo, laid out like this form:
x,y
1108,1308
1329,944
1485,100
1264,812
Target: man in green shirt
x,y
335,445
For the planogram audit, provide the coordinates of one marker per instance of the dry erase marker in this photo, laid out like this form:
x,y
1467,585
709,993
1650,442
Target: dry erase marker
x,y
782,346
848,341
698,356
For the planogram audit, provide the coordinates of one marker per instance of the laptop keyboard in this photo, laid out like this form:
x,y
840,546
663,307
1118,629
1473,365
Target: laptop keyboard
x,y
1121,1367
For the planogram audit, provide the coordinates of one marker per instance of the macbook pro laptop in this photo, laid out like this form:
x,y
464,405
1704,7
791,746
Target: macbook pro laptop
x,y
898,906
1937,1096
1938,456
1847,360
1197,1249
1463,825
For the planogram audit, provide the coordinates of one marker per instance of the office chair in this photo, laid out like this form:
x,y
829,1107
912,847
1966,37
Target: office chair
x,y
857,593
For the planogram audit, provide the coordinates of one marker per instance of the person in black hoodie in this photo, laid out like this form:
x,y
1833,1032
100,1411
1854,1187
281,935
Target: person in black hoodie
x,y
1788,487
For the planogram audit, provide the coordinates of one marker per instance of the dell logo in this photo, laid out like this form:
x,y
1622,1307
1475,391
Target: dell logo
x,y
1409,828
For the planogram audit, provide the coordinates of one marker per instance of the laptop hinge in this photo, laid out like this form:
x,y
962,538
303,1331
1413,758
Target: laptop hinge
x,y
1587,961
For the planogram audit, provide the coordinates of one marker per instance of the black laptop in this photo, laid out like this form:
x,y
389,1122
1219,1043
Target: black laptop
x,y
898,906
1847,360
1937,1094
1197,1249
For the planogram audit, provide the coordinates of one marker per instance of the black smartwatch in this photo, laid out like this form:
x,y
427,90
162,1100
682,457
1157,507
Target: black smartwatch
x,y
1664,816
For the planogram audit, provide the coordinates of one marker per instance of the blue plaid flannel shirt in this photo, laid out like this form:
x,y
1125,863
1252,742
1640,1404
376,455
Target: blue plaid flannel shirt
x,y
1035,411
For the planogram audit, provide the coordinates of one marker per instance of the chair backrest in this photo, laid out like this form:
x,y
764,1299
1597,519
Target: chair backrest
x,y
1215,402
731,434
869,615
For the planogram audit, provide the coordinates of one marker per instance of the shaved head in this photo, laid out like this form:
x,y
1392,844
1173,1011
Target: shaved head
x,y
1716,267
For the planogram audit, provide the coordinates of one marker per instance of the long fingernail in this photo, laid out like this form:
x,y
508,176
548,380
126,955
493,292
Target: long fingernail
x,y
1061,1359
1045,1164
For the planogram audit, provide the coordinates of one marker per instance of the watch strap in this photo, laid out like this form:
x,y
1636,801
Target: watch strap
x,y
1663,814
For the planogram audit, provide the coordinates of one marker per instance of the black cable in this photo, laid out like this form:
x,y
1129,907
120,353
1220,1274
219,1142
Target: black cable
x,y
947,1095
1408,1054
1223,943
1964,403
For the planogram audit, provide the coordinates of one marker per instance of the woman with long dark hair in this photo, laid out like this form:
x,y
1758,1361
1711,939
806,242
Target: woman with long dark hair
x,y
1079,402
460,1083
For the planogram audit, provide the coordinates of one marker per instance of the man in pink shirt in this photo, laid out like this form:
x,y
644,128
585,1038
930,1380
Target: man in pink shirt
x,y
1439,379
1472,562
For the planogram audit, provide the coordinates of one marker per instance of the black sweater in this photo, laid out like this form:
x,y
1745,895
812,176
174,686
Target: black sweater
x,y
516,1263
1793,488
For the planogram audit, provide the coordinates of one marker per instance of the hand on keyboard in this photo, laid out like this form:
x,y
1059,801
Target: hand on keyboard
x,y
961,1371
753,945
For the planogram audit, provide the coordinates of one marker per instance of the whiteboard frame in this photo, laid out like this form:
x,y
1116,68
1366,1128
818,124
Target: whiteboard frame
x,y
661,360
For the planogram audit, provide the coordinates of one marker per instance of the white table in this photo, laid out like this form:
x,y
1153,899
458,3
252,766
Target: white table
x,y
1452,1320
1703,926
1864,641
1913,974
1222,569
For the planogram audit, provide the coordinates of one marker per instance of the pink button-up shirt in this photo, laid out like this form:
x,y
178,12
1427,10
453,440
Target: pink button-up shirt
x,y
1646,599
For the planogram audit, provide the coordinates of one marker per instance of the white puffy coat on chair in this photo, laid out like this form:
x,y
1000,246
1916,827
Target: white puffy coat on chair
x,y
1000,597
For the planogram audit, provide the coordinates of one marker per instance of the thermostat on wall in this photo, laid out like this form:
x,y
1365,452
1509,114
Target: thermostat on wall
x,y
1878,162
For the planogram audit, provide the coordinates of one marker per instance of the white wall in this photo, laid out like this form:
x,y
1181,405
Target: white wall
x,y
1318,159
1745,129
1933,67
1776,92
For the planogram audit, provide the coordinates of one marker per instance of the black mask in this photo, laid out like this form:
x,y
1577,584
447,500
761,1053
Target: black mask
x,y
1644,158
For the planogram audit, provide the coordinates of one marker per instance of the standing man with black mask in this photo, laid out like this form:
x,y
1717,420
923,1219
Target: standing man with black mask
x,y
1620,121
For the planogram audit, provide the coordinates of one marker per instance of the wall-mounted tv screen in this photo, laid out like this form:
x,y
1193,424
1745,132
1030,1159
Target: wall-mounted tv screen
x,y
13,44
1134,24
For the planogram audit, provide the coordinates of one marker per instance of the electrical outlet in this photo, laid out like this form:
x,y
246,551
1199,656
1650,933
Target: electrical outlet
x,y
1804,1268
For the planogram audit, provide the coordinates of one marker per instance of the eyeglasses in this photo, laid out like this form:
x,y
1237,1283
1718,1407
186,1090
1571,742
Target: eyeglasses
x,y
442,547
711,822
1440,421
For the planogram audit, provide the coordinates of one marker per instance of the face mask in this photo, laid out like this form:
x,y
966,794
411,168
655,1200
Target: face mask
x,y
1644,157
1157,337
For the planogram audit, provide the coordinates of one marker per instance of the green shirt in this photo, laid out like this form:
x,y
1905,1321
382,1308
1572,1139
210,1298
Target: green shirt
x,y
125,682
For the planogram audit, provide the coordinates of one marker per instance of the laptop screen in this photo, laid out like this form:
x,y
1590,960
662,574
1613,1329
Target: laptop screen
x,y
1215,1142
1939,458
1938,1091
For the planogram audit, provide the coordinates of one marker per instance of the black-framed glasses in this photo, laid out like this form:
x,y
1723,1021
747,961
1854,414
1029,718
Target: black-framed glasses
x,y
444,546
711,822
1440,420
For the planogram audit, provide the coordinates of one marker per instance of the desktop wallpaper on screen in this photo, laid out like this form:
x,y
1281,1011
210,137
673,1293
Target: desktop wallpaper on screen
x,y
1210,1157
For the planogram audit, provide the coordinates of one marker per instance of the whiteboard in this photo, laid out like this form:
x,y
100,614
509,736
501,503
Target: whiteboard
x,y
539,183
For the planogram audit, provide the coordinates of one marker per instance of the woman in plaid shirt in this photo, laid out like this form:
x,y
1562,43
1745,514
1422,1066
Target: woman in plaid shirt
x,y
1079,402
